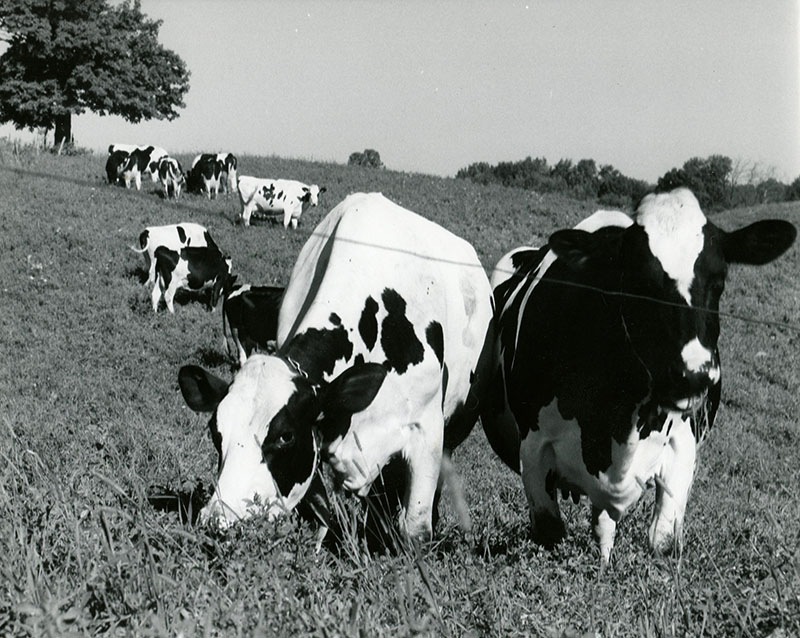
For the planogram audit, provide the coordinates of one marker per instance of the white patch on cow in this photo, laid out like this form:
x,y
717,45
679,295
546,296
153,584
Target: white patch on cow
x,y
674,225
243,417
698,358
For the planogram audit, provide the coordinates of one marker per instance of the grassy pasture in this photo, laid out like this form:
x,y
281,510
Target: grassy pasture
x,y
91,416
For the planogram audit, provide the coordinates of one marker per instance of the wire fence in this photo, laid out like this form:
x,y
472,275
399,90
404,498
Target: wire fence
x,y
314,233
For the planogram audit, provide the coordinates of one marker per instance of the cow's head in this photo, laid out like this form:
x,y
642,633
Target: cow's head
x,y
263,427
670,268
311,194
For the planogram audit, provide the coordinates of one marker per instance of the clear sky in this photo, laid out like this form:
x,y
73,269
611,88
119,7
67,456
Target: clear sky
x,y
436,85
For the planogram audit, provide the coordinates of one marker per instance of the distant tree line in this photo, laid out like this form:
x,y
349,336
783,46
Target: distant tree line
x,y
717,181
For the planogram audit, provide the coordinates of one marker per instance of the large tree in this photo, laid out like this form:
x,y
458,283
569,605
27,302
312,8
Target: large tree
x,y
67,56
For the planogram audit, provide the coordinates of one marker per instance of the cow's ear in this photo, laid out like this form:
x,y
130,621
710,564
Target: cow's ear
x,y
575,247
580,249
201,390
759,243
323,189
354,389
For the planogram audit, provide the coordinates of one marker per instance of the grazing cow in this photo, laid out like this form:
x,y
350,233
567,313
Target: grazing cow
x,y
379,337
127,148
276,197
215,171
142,160
174,237
251,313
115,165
609,372
193,268
170,174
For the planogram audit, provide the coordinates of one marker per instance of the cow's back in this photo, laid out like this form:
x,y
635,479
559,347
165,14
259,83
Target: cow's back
x,y
382,269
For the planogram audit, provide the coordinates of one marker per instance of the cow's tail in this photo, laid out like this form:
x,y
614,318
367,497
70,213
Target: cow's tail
x,y
144,242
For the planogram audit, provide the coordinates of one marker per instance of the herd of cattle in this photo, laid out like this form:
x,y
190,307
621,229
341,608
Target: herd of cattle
x,y
592,361
211,173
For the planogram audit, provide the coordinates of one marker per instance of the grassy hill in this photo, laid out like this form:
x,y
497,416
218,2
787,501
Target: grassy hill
x,y
91,416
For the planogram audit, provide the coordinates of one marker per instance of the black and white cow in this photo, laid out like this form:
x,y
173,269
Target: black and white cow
x,y
379,337
192,268
286,198
207,175
115,166
170,174
251,315
141,160
172,236
609,372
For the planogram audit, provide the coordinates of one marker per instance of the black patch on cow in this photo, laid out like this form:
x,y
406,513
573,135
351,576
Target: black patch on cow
x,y
445,381
306,197
368,324
144,238
216,439
359,360
434,335
317,350
651,419
335,319
254,315
166,260
551,484
288,449
181,235
398,340
280,194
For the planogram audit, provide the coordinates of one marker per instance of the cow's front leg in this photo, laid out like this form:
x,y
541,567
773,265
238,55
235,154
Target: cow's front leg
x,y
539,477
424,457
605,529
138,181
672,487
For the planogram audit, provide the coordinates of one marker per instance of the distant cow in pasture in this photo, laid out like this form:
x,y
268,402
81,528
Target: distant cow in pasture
x,y
115,166
276,198
127,148
142,160
191,268
379,343
213,172
170,174
609,371
172,236
251,315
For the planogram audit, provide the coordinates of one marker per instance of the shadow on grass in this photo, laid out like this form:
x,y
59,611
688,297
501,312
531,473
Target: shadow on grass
x,y
187,502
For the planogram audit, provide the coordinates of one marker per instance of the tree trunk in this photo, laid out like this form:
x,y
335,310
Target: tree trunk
x,y
63,134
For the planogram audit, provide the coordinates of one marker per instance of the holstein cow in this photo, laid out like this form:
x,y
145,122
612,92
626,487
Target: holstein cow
x,y
171,176
174,237
206,175
609,371
214,170
194,269
379,336
115,165
142,160
251,314
276,197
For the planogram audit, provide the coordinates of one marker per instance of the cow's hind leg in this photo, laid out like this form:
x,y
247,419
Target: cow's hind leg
x,y
541,482
672,487
157,292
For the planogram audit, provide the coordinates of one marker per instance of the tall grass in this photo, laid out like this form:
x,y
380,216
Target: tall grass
x,y
91,417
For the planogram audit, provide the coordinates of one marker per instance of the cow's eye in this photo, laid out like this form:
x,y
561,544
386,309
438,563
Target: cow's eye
x,y
286,437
